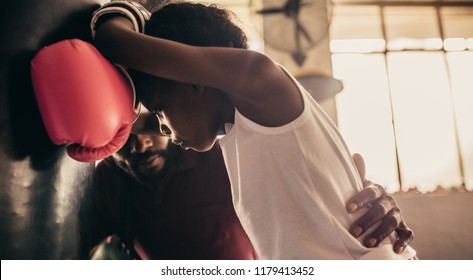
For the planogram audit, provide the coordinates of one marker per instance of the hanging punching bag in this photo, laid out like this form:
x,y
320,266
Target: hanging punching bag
x,y
43,192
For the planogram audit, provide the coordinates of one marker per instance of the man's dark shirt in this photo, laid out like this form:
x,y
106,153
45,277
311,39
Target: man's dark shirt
x,y
188,216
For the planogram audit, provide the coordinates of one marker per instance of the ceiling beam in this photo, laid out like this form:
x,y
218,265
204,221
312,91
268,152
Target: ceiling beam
x,y
404,3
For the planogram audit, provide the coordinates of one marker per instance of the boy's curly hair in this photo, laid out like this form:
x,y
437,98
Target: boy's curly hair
x,y
192,24
197,24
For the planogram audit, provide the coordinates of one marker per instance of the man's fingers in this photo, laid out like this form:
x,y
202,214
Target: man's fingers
x,y
363,198
371,217
390,223
360,165
405,236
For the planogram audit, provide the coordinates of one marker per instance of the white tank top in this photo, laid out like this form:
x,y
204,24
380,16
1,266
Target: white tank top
x,y
290,185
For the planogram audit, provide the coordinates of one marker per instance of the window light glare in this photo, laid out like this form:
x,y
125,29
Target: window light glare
x,y
469,43
433,44
256,45
357,45
415,44
455,44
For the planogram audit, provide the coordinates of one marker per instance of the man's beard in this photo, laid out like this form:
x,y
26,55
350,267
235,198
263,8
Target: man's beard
x,y
153,178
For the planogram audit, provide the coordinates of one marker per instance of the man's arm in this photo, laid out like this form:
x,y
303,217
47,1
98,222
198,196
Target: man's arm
x,y
382,207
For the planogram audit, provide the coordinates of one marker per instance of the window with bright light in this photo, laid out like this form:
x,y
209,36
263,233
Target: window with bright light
x,y
407,103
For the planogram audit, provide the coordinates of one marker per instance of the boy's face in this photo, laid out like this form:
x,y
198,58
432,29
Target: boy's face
x,y
185,114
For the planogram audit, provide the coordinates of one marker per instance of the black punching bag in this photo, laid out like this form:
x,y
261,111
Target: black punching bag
x,y
43,193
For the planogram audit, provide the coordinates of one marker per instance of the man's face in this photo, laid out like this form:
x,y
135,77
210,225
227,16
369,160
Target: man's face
x,y
144,155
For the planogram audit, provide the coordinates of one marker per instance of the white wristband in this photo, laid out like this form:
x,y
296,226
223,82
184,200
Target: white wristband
x,y
132,10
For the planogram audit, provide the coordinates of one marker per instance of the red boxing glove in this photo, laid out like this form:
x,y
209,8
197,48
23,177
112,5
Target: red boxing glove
x,y
85,101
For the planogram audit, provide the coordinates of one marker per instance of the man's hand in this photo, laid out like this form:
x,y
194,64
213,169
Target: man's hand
x,y
110,249
382,207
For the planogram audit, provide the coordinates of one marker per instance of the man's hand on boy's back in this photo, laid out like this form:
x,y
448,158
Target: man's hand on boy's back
x,y
382,207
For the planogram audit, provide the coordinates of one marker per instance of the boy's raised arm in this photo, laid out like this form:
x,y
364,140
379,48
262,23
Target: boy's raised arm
x,y
255,84
209,66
